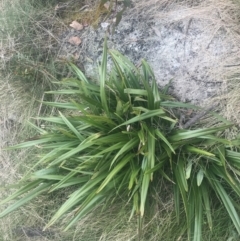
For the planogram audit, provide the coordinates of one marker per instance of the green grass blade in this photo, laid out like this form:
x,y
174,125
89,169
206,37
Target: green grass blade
x,y
115,170
143,116
67,105
112,138
176,192
103,76
206,202
222,156
133,176
126,69
39,130
75,198
228,205
78,149
181,184
187,134
140,109
164,139
64,92
145,79
200,176
155,95
73,181
151,142
126,148
181,174
144,192
112,148
22,191
212,139
29,196
136,92
79,73
63,181
156,167
198,214
189,169
31,143
198,151
71,127
92,203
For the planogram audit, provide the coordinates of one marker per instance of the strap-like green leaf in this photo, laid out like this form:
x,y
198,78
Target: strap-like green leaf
x,y
206,196
189,168
228,205
181,135
198,151
200,176
28,196
71,127
143,116
115,170
164,139
197,199
79,73
136,91
103,76
180,174
144,192
126,148
76,197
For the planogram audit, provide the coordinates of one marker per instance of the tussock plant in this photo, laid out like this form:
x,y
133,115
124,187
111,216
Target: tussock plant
x,y
121,135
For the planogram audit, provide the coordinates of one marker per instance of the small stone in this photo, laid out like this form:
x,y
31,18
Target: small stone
x,y
105,25
74,40
76,25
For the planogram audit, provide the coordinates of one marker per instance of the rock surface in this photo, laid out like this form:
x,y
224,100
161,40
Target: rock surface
x,y
193,43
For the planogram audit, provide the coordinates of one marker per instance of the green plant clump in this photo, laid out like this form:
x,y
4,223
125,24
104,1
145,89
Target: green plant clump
x,y
122,136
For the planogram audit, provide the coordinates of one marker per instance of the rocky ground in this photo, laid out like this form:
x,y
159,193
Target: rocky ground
x,y
193,43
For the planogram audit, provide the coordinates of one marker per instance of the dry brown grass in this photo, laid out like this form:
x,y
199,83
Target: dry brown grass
x,y
16,107
18,99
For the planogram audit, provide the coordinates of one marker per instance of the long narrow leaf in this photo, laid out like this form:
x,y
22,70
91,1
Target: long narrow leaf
x,y
115,170
71,127
164,139
143,116
181,135
198,215
126,148
228,205
206,196
29,196
79,73
103,76
144,192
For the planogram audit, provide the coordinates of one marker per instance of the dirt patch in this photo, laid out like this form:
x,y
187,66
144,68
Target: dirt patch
x,y
193,43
